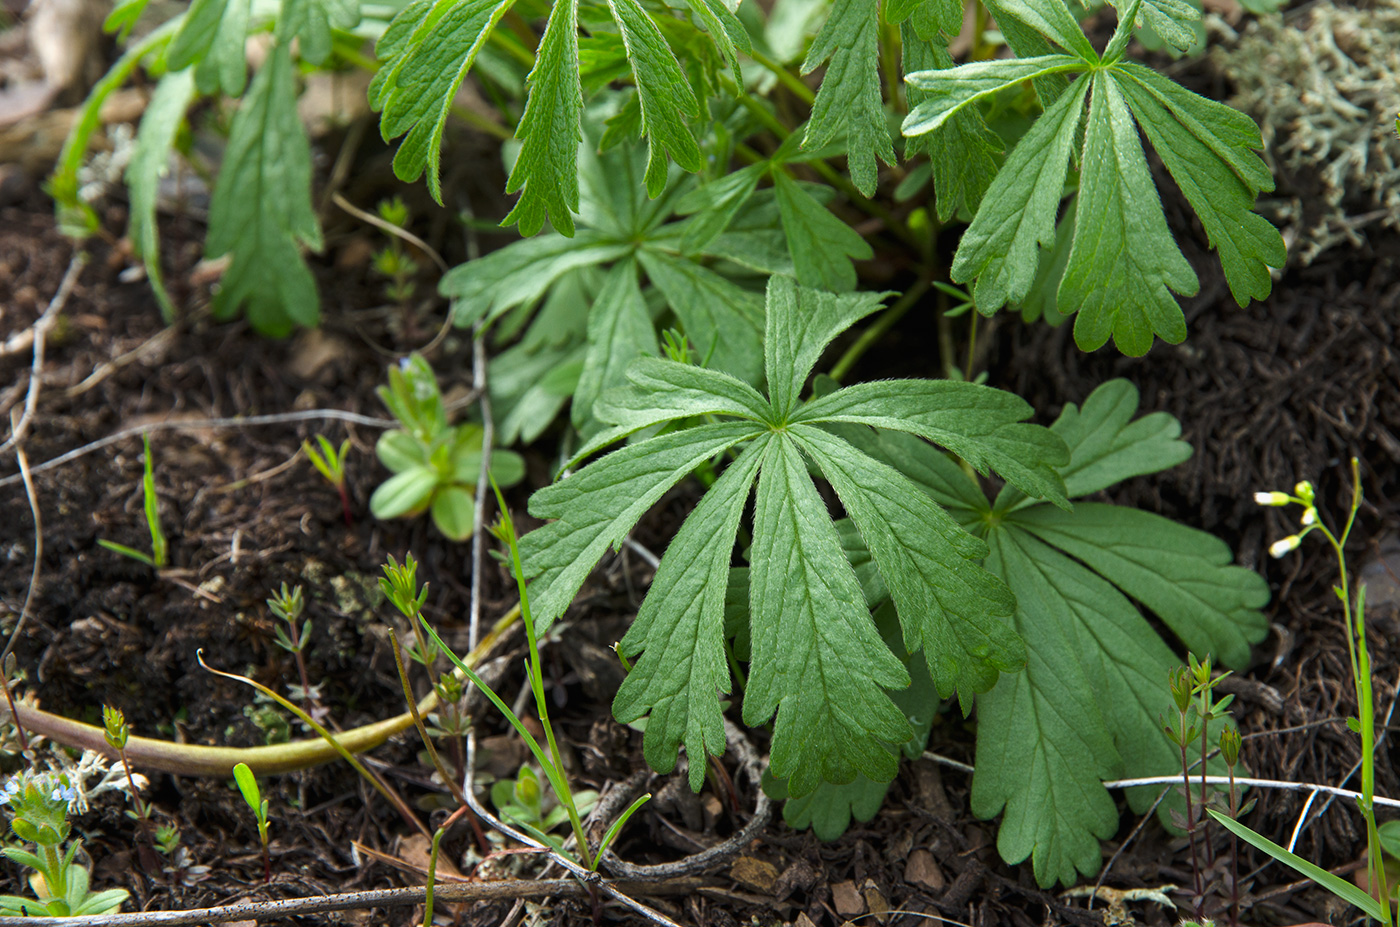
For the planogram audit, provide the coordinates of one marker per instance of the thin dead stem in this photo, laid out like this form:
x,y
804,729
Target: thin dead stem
x,y
41,330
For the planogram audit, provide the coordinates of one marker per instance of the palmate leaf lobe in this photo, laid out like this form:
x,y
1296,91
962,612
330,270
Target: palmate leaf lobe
x,y
817,663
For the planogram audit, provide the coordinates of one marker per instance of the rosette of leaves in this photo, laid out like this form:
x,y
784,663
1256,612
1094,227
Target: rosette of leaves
x,y
436,466
1087,706
1112,260
521,801
816,659
694,258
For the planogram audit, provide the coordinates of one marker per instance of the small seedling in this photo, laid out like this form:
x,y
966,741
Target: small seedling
x,y
39,803
157,557
392,261
117,731
167,838
436,465
288,606
521,801
248,785
330,463
400,587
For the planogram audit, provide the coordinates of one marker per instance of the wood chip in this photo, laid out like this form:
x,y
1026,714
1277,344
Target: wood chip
x,y
848,901
875,900
754,873
921,870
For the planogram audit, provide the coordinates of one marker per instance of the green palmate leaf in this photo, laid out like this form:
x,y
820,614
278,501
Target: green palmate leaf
x,y
1180,573
611,196
962,153
211,37
159,124
310,22
262,207
665,97
723,321
679,631
728,32
800,326
426,53
817,660
1108,445
829,809
619,331
546,170
951,608
1123,259
488,287
849,99
949,90
717,203
1017,215
1052,20
1210,151
529,387
1172,20
927,17
821,245
599,504
1042,745
981,425
660,390
1114,260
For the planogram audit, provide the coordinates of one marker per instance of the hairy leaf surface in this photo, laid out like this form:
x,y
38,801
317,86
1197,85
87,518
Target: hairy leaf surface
x,y
211,38
262,209
1123,260
849,100
817,662
1087,705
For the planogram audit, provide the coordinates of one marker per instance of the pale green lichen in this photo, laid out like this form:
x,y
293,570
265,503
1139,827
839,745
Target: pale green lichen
x,y
1325,88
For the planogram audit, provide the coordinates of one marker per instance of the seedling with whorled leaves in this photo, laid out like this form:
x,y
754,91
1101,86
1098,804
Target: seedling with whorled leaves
x,y
329,461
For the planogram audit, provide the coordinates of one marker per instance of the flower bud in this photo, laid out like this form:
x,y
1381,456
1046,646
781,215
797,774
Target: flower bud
x,y
1230,746
1271,498
1309,516
115,727
1288,544
1304,491
1180,683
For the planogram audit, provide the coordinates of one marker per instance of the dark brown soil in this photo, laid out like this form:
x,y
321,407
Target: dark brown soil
x,y
1284,390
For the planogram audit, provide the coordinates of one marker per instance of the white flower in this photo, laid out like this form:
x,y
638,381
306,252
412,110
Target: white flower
x,y
1309,516
1271,498
1284,546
